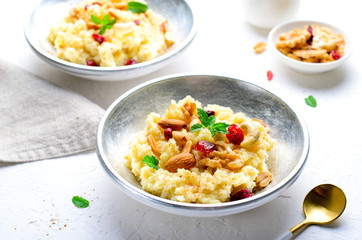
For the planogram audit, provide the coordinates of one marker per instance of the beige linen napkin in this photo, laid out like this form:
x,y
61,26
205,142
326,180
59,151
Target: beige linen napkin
x,y
39,120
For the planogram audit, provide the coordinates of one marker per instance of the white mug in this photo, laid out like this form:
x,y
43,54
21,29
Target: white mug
x,y
268,13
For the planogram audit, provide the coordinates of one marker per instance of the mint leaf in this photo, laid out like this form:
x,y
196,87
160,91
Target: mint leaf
x,y
212,131
102,30
196,127
203,117
221,127
106,23
151,161
209,123
105,19
96,20
80,202
211,120
136,7
310,101
111,22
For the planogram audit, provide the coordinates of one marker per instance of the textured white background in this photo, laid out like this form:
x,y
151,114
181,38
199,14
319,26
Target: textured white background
x,y
35,198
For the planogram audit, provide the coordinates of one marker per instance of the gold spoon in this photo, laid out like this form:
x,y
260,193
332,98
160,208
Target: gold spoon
x,y
323,204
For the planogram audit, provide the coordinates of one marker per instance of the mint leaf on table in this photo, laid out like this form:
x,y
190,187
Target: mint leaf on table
x,y
310,101
209,123
80,202
136,7
151,161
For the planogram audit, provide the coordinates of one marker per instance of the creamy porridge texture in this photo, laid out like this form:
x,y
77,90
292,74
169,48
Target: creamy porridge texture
x,y
111,33
201,155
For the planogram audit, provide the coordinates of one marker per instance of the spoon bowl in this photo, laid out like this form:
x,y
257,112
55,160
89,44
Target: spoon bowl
x,y
323,204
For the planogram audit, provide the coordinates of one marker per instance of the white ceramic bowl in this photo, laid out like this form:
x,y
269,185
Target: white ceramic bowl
x,y
268,13
127,115
305,67
49,13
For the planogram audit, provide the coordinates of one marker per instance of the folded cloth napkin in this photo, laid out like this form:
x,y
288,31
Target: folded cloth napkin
x,y
39,120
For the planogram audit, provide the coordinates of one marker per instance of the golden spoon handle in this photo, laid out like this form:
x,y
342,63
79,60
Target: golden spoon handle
x,y
289,234
299,226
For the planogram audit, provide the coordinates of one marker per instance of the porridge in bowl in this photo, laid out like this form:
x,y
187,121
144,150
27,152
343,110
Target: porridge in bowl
x,y
110,33
201,155
314,44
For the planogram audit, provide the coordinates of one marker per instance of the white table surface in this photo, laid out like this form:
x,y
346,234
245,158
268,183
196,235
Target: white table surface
x,y
35,198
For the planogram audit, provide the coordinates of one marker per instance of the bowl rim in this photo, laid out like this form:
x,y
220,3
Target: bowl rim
x,y
275,29
91,70
138,193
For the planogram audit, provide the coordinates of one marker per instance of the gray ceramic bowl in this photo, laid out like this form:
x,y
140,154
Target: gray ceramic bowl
x,y
50,12
127,115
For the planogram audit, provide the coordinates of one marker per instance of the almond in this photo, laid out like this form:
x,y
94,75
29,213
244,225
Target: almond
x,y
174,124
182,160
153,144
188,147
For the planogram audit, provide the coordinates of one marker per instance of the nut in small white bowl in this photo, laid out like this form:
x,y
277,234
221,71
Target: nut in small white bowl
x,y
307,67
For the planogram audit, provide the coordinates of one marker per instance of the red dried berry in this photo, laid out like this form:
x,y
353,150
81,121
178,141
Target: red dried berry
x,y
95,3
270,75
310,30
131,62
243,193
335,55
99,38
210,112
137,22
205,146
168,133
91,63
235,135
309,41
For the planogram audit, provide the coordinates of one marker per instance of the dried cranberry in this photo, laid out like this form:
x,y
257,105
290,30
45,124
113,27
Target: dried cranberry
x,y
205,146
168,133
310,40
270,75
335,55
99,38
137,22
243,193
210,112
91,63
131,61
95,3
310,30
235,135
